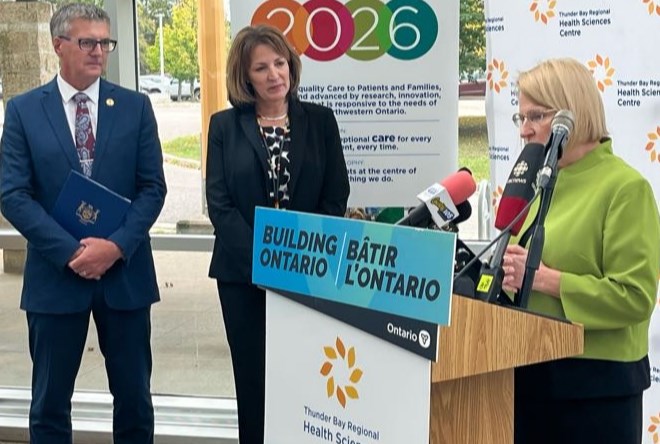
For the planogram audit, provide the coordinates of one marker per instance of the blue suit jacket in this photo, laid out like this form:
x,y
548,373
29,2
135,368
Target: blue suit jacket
x,y
36,156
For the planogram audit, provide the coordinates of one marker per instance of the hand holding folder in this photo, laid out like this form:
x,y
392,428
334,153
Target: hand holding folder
x,y
85,208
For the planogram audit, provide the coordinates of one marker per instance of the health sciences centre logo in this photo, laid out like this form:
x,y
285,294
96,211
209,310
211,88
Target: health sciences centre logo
x,y
653,140
652,7
497,75
341,373
602,70
543,10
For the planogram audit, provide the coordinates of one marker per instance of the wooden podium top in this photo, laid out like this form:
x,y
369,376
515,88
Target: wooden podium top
x,y
484,337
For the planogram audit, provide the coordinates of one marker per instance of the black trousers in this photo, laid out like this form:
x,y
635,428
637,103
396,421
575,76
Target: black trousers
x,y
57,343
244,313
614,420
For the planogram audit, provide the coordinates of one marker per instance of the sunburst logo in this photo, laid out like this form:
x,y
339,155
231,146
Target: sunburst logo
x,y
543,14
654,137
497,194
340,372
497,75
653,429
652,6
602,70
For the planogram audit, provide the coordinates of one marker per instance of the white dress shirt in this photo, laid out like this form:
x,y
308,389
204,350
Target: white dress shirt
x,y
67,92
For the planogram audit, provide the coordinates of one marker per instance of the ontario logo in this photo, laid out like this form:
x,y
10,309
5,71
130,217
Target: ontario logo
x,y
497,75
653,139
652,6
602,70
543,13
341,373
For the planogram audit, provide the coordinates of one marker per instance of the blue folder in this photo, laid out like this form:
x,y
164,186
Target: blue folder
x,y
85,208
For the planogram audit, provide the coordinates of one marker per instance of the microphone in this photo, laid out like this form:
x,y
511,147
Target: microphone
x,y
519,191
439,201
562,126
464,212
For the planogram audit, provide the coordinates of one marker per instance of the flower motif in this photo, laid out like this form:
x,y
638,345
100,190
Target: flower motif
x,y
497,75
339,356
653,429
543,15
652,6
654,137
601,67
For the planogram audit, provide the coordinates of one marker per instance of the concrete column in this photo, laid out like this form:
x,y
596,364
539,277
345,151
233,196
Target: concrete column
x,y
122,63
27,60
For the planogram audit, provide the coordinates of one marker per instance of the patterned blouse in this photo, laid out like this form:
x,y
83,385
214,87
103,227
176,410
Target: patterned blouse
x,y
277,140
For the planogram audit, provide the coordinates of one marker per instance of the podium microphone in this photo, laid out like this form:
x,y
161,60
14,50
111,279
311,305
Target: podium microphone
x,y
519,191
440,202
562,126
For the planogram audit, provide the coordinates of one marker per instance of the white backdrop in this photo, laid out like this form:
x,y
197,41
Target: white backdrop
x,y
388,70
619,41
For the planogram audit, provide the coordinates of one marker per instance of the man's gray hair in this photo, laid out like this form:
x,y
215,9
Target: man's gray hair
x,y
60,23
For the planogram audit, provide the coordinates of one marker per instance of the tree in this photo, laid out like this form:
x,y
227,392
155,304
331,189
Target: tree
x,y
180,45
472,44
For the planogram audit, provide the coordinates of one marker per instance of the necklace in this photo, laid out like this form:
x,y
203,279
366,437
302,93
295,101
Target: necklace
x,y
273,117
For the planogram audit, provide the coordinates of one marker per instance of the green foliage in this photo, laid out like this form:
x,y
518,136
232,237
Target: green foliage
x,y
473,146
472,39
180,37
185,147
147,28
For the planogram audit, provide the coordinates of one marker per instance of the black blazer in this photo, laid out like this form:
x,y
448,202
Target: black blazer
x,y
237,178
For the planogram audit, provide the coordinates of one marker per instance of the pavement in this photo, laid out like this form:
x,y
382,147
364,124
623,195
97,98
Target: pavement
x,y
190,350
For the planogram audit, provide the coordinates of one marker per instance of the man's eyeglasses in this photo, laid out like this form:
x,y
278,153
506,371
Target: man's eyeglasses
x,y
88,45
532,116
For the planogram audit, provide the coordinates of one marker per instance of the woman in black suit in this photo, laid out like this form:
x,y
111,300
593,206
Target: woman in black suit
x,y
269,150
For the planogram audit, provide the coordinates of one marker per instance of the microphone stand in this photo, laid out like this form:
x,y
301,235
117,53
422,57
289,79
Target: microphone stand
x,y
495,286
535,250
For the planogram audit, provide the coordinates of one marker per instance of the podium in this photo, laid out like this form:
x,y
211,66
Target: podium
x,y
472,383
354,328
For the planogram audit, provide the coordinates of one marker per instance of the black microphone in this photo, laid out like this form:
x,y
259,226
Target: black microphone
x,y
464,213
562,125
519,191
454,189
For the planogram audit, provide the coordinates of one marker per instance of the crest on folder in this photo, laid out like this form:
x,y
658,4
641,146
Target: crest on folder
x,y
86,213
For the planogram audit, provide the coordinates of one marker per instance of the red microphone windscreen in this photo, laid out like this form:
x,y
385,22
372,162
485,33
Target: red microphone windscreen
x,y
460,186
520,187
507,210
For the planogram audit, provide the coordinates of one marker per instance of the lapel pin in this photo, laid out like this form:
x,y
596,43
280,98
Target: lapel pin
x,y
109,102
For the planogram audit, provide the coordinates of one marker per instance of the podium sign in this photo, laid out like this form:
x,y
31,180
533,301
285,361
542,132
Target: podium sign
x,y
327,381
398,270
352,315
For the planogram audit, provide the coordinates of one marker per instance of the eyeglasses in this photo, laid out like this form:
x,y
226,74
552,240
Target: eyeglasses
x,y
88,45
532,116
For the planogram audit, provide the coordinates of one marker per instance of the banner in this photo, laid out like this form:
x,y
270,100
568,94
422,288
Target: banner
x,y
617,41
389,71
399,270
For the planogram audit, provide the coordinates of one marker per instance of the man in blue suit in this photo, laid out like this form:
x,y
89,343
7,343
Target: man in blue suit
x,y
110,134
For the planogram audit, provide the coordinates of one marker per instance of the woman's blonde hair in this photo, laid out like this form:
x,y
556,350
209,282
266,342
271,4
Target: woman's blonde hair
x,y
566,84
239,89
